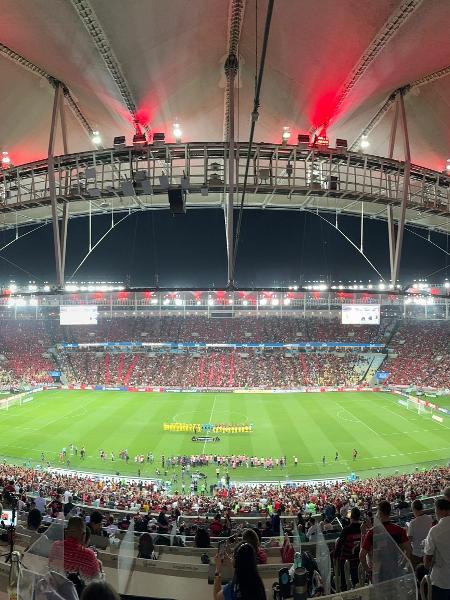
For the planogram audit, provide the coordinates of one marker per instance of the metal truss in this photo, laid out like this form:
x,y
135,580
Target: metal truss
x,y
130,179
26,64
242,303
430,78
95,30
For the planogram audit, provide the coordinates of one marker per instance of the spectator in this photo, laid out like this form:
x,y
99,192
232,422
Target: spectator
x,y
246,583
417,531
397,533
146,549
202,539
251,537
287,551
437,551
96,524
348,547
163,521
99,590
216,526
68,506
78,560
276,522
34,521
40,503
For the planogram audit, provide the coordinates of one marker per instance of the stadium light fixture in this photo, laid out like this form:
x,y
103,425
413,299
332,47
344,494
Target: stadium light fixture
x,y
230,301
46,288
285,135
381,286
177,133
166,301
33,301
32,287
154,301
263,301
364,142
245,302
447,166
286,301
275,302
210,301
96,139
6,159
447,284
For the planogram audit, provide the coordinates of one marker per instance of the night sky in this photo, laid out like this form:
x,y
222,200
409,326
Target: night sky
x,y
276,248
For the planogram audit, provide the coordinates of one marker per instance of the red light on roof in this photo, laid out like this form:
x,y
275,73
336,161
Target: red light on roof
x,y
123,295
148,295
322,141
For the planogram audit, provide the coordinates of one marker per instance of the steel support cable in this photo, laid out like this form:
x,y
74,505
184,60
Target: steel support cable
x,y
254,117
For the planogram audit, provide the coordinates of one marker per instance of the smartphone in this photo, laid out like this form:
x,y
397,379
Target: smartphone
x,y
221,548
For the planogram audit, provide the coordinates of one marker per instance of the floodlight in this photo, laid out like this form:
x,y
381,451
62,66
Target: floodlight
x,y
263,301
119,142
159,139
286,134
210,302
177,133
139,139
96,139
341,144
364,143
6,160
286,301
447,166
303,140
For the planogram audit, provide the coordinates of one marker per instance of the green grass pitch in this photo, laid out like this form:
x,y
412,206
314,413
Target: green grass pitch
x,y
307,425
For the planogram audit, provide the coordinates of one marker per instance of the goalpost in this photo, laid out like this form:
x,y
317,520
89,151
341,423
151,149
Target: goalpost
x,y
16,400
413,403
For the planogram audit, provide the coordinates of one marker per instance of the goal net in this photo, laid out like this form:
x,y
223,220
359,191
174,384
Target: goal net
x,y
416,405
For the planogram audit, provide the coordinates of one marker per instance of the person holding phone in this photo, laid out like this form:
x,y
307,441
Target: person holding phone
x,y
246,583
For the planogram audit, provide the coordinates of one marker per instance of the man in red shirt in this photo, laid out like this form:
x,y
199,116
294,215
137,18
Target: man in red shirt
x,y
77,558
397,533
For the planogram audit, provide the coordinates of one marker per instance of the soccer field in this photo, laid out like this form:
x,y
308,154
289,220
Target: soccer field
x,y
307,425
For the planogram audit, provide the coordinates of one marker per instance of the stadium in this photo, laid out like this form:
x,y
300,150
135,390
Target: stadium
x,y
224,299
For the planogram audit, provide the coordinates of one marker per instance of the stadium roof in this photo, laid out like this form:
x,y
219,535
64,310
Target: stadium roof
x,y
332,64
172,55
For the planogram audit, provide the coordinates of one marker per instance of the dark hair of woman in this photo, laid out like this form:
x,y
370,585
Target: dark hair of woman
x,y
247,583
202,539
99,590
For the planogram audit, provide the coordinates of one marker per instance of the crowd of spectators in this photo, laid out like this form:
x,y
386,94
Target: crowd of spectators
x,y
419,351
215,369
242,499
420,354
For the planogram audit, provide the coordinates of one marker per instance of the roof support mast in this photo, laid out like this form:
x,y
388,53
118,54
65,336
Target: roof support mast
x,y
59,236
236,16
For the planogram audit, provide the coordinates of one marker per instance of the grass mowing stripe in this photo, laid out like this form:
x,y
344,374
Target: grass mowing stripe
x,y
306,425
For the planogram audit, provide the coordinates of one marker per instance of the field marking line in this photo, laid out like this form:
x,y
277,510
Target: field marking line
x,y
210,420
358,420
